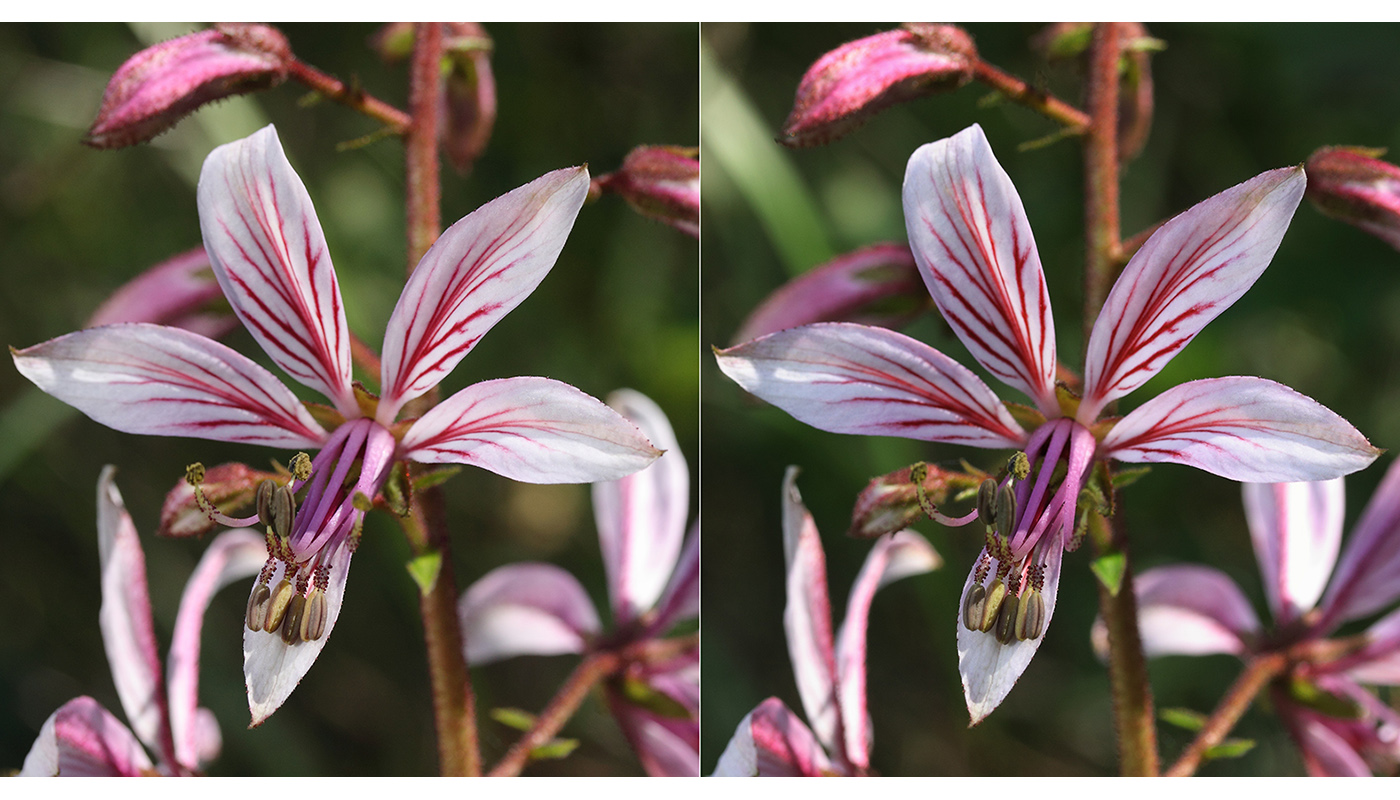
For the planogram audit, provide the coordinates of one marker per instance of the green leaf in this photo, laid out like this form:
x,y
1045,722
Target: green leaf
x,y
1306,693
642,694
1128,477
425,569
1110,568
432,478
514,718
396,492
1230,748
554,749
1183,718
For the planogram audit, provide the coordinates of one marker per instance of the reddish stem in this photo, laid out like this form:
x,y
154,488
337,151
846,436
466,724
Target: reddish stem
x,y
1101,172
1236,701
421,167
355,98
1020,92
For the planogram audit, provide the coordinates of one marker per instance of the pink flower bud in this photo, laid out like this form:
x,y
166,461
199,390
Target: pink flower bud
x,y
860,78
890,502
1352,185
158,86
469,94
876,285
228,486
175,292
661,182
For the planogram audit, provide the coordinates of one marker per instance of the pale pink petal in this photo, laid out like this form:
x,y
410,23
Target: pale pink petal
x,y
1297,529
83,739
1192,269
534,430
525,609
989,668
681,600
1325,752
855,287
477,271
1379,662
666,744
847,378
158,381
270,257
772,742
233,556
1367,578
807,616
896,556
641,518
973,243
1190,610
1244,429
272,668
128,634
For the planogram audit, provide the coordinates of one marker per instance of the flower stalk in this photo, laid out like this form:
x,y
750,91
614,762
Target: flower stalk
x,y
1232,706
1021,92
351,97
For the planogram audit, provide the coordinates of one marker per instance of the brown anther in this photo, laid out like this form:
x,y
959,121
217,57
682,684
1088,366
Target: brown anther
x,y
986,503
313,616
264,502
1030,615
996,596
291,624
974,604
1005,509
281,598
257,606
194,474
1006,621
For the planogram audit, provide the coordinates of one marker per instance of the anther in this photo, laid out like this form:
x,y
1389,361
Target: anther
x,y
986,502
1030,615
257,606
301,466
291,624
313,616
1006,510
277,609
1019,465
974,603
1006,621
996,595
917,474
194,474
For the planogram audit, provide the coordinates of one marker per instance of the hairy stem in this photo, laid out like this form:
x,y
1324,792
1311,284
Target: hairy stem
x,y
592,670
1236,701
421,167
1020,92
1101,225
349,96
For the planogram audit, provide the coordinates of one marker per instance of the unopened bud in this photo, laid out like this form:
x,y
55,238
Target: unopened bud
x,y
890,502
660,182
228,486
180,292
1353,185
158,86
469,94
860,78
876,285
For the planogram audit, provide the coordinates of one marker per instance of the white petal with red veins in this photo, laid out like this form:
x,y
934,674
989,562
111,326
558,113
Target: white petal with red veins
x,y
847,378
973,244
641,518
534,430
477,271
1244,429
1192,269
1297,529
158,381
270,257
525,609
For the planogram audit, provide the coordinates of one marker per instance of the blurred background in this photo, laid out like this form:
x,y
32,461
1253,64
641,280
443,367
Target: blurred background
x,y
619,309
1231,102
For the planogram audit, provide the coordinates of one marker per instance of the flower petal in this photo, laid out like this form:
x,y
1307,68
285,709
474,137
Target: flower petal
x,y
128,633
641,518
970,236
83,739
772,742
272,668
1378,663
1367,578
855,287
1244,429
1192,269
807,616
157,381
173,292
681,599
668,744
847,378
893,557
525,609
1325,752
477,271
989,668
270,257
1297,529
1193,611
534,430
233,556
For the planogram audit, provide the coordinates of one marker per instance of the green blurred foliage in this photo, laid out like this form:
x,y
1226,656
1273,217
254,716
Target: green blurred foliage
x,y
619,309
1231,102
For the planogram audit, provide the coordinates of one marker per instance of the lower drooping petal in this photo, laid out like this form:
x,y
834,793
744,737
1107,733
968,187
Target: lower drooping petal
x,y
990,668
772,742
1245,429
1367,578
807,616
1190,610
158,381
534,430
1296,529
525,609
667,741
847,378
83,739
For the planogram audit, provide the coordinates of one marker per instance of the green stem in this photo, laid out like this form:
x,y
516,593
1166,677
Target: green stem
x,y
1236,701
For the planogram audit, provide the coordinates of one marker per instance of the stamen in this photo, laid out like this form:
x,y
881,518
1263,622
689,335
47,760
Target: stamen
x,y
1019,465
974,603
281,598
996,595
313,616
301,467
257,606
1030,615
291,623
276,507
194,476
1006,621
986,502
1006,510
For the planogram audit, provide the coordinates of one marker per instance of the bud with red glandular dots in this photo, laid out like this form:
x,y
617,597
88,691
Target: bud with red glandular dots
x,y
1352,185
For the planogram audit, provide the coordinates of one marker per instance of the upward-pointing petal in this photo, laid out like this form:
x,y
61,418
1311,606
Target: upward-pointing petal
x,y
477,271
270,257
158,381
1193,268
974,247
807,617
1296,528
